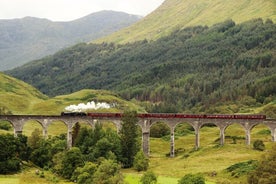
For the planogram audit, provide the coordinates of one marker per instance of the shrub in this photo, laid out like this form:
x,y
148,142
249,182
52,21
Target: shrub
x,y
5,125
149,178
242,168
141,162
192,179
259,145
159,130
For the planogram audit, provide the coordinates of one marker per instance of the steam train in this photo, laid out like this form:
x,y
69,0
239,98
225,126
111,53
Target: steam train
x,y
167,115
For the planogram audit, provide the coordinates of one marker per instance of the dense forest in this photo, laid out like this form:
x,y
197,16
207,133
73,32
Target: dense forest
x,y
193,68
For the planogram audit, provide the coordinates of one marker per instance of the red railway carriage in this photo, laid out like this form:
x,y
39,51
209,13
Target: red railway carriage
x,y
170,115
107,115
239,116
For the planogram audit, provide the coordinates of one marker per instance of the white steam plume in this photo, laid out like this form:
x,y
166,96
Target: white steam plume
x,y
90,105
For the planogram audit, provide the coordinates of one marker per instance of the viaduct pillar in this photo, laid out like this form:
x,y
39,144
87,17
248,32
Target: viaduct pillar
x,y
18,127
145,126
45,128
172,151
145,143
197,139
69,134
272,127
222,136
273,134
247,137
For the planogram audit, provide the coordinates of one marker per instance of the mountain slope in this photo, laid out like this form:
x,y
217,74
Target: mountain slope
x,y
193,68
17,97
23,40
174,14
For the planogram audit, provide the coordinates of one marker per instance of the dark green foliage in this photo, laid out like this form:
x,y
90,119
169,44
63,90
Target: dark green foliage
x,y
234,139
148,178
264,132
190,70
259,145
75,133
192,179
41,156
4,125
108,172
96,143
129,136
34,139
159,130
71,160
265,172
184,129
58,144
242,168
141,162
13,150
43,150
84,175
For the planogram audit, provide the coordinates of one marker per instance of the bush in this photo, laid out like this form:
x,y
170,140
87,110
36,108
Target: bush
x,y
108,172
141,162
159,130
242,168
192,179
5,125
259,145
149,178
12,150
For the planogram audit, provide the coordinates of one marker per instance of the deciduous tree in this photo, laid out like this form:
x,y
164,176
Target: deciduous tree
x,y
108,172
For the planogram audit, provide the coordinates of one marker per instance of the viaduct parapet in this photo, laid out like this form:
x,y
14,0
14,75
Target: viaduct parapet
x,y
145,123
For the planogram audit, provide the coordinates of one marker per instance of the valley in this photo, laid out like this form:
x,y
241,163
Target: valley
x,y
195,58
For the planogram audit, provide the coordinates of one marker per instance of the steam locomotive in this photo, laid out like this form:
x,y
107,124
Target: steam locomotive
x,y
167,115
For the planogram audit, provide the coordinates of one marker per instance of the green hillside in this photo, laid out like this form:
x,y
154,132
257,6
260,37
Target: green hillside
x,y
18,97
177,14
226,68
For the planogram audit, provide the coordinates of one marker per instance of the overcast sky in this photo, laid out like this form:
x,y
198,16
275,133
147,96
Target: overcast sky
x,y
64,10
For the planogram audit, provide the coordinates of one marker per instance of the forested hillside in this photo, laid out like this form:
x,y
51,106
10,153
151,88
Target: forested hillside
x,y
23,40
177,14
192,70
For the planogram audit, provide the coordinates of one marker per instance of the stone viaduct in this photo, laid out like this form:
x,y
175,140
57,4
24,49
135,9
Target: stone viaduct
x,y
145,123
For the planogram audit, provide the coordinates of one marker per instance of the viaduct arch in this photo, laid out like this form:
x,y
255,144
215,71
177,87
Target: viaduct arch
x,y
145,123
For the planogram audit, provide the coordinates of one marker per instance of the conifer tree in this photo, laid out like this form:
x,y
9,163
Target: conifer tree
x,y
128,136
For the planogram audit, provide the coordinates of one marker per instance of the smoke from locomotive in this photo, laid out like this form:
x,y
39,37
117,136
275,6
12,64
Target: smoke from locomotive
x,y
82,107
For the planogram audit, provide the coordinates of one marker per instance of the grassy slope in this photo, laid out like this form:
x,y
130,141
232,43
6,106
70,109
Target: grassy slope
x,y
22,98
210,156
174,14
18,96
